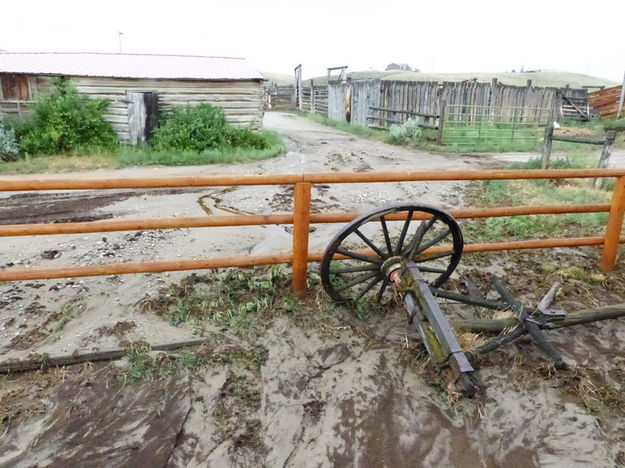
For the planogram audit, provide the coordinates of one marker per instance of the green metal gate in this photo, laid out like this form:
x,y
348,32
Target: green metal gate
x,y
476,125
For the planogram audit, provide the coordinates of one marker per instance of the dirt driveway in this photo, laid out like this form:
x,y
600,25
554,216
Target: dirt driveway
x,y
312,148
330,389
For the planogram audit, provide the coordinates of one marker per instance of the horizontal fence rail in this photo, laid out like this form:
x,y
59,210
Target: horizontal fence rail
x,y
302,217
29,184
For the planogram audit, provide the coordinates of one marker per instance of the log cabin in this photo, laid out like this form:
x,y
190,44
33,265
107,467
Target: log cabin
x,y
138,86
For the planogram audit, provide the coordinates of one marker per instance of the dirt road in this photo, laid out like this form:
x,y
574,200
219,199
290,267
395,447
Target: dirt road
x,y
312,148
330,389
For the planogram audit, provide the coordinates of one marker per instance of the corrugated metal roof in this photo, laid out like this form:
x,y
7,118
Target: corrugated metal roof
x,y
128,65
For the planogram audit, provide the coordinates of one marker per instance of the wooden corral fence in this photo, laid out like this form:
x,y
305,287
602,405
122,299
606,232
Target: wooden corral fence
x,y
280,97
606,152
351,101
315,99
606,102
301,218
394,116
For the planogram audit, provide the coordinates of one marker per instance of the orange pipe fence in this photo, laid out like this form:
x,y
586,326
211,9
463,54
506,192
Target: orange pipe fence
x,y
257,220
18,274
27,184
302,218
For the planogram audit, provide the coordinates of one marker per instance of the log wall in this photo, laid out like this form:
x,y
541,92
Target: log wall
x,y
242,101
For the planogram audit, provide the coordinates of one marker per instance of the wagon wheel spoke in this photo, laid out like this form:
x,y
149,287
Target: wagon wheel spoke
x,y
387,237
357,280
369,286
369,243
404,231
423,229
434,241
382,289
359,256
365,249
356,269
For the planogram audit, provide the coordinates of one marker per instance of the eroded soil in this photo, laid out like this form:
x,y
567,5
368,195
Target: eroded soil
x,y
281,382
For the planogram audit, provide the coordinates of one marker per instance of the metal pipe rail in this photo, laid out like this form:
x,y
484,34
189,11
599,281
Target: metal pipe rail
x,y
30,184
302,217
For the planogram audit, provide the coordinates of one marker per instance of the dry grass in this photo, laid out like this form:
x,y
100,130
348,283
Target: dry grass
x,y
469,340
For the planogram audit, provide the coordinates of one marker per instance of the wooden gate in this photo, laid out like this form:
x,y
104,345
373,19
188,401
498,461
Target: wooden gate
x,y
142,116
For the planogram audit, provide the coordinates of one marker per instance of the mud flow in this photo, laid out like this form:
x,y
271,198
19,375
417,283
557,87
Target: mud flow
x,y
274,380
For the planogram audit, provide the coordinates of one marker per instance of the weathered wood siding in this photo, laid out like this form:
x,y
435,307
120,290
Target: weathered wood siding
x,y
242,101
365,94
280,97
605,102
426,97
315,99
337,101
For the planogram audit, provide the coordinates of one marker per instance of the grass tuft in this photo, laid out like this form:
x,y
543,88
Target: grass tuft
x,y
540,193
241,300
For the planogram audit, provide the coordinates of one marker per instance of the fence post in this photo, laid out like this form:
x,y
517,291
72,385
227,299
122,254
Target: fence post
x,y
312,96
301,225
547,143
610,137
441,120
614,226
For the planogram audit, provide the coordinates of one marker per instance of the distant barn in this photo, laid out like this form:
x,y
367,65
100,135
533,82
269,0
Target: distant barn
x,y
137,85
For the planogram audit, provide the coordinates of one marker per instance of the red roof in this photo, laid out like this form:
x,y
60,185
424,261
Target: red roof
x,y
150,66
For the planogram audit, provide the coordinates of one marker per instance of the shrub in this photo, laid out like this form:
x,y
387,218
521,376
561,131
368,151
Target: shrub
x,y
66,122
191,129
203,128
245,138
408,132
8,143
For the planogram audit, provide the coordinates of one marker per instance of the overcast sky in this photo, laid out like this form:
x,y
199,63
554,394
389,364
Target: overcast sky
x,y
435,36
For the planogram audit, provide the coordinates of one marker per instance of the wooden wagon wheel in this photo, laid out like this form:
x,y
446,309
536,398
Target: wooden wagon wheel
x,y
364,245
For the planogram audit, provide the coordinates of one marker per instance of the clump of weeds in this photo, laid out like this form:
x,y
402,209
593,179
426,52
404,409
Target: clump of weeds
x,y
241,300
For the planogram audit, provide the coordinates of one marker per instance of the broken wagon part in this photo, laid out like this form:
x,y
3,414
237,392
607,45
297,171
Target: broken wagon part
x,y
384,247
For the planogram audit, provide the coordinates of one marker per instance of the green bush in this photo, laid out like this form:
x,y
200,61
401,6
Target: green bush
x,y
408,132
191,129
8,143
203,128
66,122
245,138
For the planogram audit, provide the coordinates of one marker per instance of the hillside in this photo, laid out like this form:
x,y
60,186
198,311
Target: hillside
x,y
281,79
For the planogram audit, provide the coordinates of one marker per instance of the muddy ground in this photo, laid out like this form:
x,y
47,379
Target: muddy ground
x,y
294,384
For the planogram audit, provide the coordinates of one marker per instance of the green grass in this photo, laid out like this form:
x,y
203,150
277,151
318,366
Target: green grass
x,y
469,138
540,192
241,300
140,156
358,130
142,365
463,141
614,124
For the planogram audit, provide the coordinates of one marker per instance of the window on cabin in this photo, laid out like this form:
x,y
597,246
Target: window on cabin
x,y
15,87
